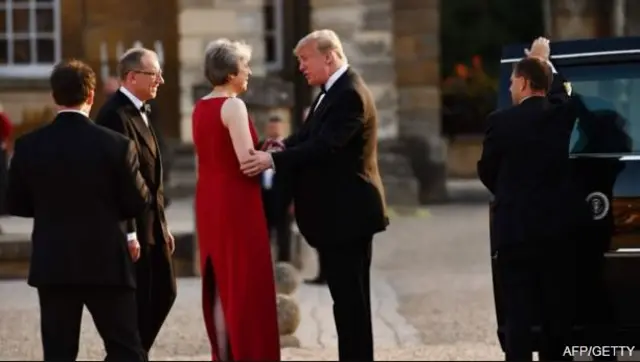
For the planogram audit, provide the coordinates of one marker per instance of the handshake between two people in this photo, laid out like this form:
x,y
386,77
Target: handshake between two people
x,y
260,160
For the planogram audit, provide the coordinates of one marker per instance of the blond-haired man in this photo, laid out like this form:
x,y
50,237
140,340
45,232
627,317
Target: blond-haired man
x,y
338,194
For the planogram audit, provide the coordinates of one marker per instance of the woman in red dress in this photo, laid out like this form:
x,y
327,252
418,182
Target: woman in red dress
x,y
238,290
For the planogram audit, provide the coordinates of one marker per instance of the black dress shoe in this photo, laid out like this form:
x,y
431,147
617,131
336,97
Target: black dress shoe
x,y
316,281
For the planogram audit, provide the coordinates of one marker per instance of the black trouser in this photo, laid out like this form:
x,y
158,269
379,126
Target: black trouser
x,y
281,226
347,268
156,291
114,314
537,282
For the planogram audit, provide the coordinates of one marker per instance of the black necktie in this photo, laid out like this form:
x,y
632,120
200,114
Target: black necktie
x,y
145,109
323,89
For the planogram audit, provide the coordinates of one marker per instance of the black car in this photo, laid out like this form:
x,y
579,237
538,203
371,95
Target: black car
x,y
604,80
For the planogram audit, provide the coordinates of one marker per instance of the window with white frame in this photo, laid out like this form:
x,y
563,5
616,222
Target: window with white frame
x,y
29,37
273,34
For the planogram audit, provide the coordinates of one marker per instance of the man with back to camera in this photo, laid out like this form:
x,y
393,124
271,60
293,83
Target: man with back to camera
x,y
525,164
80,182
126,112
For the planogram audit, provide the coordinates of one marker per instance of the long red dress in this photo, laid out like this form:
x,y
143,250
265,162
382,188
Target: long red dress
x,y
235,255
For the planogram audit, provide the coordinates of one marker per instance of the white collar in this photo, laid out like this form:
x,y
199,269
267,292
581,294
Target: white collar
x,y
74,111
334,77
136,102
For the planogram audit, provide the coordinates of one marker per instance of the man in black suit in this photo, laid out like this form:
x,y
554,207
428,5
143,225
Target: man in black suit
x,y
276,195
525,164
111,86
337,190
127,113
80,182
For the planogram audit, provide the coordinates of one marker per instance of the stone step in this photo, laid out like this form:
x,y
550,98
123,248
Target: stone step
x,y
182,183
15,244
401,191
15,251
183,163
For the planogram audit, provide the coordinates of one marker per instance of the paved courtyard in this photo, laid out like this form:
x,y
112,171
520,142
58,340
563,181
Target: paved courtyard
x,y
431,293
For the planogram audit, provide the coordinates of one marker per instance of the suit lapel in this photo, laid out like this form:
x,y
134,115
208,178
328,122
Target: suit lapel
x,y
144,132
329,97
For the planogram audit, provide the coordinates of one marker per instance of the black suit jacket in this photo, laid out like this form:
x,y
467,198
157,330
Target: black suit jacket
x,y
337,190
277,199
120,115
79,182
525,164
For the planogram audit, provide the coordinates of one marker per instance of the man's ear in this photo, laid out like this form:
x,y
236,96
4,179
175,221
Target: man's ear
x,y
90,97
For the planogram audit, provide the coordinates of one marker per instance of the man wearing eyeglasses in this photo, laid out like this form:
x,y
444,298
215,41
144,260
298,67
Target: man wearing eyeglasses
x,y
127,112
111,86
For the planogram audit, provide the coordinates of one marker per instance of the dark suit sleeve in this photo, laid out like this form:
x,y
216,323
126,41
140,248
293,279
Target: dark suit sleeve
x,y
110,118
19,198
292,140
345,120
558,93
134,195
489,162
566,105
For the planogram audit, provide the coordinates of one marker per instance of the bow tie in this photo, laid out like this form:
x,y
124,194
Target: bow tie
x,y
323,89
145,108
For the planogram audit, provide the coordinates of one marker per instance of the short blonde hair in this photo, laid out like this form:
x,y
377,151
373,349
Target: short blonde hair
x,y
221,59
326,40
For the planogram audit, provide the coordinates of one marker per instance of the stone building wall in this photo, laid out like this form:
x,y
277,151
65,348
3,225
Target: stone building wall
x,y
201,21
417,63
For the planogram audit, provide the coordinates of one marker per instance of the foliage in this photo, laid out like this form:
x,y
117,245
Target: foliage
x,y
473,33
482,27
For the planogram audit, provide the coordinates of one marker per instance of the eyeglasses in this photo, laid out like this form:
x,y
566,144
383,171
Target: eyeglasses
x,y
154,75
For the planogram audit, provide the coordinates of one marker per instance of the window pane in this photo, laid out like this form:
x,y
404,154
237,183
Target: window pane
x,y
21,20
270,49
44,20
269,17
3,21
21,52
606,96
3,52
46,51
